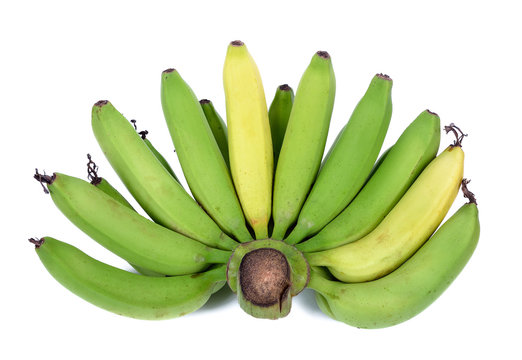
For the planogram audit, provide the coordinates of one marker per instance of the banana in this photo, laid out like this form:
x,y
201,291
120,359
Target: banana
x,y
349,160
304,142
153,187
218,127
407,226
156,153
122,292
201,160
411,288
249,139
278,115
415,148
126,233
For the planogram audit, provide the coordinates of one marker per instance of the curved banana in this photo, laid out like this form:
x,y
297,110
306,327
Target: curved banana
x,y
349,160
156,153
126,233
153,187
414,149
411,288
278,115
218,127
199,155
125,293
304,142
249,139
404,229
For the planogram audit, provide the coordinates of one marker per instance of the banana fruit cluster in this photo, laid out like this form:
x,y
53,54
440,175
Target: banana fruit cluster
x,y
267,212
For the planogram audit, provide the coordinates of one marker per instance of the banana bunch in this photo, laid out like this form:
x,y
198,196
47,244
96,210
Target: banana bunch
x,y
266,210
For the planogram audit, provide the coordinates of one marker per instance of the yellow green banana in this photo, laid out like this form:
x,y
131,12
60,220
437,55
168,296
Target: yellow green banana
x,y
278,115
349,160
218,127
411,288
249,139
156,153
126,233
406,227
201,160
153,187
414,149
125,293
304,142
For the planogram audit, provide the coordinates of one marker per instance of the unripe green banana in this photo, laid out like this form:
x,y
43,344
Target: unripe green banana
x,y
414,149
304,142
408,225
411,288
156,153
125,293
349,160
126,233
218,127
153,187
199,155
278,115
249,139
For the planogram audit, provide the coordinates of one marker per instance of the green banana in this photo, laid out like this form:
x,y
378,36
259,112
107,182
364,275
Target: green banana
x,y
126,233
304,142
408,225
125,293
156,153
278,115
218,127
414,149
201,160
411,288
349,160
162,198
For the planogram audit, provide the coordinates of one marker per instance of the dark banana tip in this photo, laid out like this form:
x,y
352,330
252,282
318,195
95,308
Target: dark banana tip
x,y
383,76
468,194
37,242
44,179
459,134
431,112
323,54
237,43
204,101
285,87
168,71
101,103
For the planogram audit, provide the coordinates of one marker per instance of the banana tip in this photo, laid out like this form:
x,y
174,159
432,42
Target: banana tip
x,y
323,54
37,242
168,71
237,43
101,103
431,112
383,76
285,87
204,101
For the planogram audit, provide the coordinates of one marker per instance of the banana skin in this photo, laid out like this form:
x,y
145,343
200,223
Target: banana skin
x,y
411,288
278,114
124,293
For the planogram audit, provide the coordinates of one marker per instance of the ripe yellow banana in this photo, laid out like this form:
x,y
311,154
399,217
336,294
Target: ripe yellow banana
x,y
411,288
199,155
404,229
153,187
126,233
304,142
249,139
125,293
348,162
414,149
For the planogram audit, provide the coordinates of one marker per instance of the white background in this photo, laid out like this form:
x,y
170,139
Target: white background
x,y
459,59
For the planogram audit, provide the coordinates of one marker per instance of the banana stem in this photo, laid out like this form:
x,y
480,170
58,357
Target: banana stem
x,y
455,130
468,194
37,242
44,179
